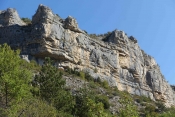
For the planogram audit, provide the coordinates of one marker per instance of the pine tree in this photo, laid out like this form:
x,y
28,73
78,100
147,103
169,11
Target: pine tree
x,y
51,87
14,79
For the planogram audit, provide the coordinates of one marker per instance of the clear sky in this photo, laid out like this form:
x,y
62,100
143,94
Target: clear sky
x,y
151,22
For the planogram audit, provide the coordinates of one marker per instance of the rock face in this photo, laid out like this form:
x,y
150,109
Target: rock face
x,y
119,59
10,17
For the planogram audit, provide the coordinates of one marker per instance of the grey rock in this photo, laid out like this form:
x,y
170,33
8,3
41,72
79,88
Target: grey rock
x,y
71,23
119,60
10,17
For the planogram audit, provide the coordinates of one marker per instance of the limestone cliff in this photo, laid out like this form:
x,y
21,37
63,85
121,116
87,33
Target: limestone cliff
x,y
118,59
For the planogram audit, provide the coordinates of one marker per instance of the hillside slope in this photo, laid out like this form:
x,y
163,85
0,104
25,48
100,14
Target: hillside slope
x,y
118,59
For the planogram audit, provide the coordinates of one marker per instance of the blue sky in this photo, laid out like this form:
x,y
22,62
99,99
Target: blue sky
x,y
151,22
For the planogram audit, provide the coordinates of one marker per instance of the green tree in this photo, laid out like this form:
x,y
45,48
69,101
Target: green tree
x,y
128,108
32,107
14,78
87,106
50,86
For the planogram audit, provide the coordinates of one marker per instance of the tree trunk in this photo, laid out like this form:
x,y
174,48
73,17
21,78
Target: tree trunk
x,y
6,95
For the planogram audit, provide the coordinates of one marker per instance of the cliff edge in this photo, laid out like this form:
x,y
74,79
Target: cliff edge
x,y
118,60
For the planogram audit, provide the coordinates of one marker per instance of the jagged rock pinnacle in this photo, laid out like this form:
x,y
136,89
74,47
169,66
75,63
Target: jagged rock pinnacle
x,y
10,17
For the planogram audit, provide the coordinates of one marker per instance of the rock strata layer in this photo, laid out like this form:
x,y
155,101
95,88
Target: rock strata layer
x,y
119,60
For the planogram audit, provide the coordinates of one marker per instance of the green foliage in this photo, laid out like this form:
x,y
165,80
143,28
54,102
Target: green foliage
x,y
141,99
150,108
26,20
88,77
14,78
151,114
104,100
79,62
104,84
85,31
74,72
170,112
128,108
52,99
94,36
161,106
49,80
33,66
106,36
95,70
87,106
92,85
103,36
82,75
32,107
51,87
98,80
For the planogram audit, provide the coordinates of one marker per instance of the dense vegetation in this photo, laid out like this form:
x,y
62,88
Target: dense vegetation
x,y
30,90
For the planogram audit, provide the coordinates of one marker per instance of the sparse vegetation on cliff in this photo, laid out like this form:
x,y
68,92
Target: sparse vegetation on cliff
x,y
26,20
27,89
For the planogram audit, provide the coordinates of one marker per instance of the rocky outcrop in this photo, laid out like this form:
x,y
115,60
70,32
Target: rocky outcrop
x,y
10,17
119,60
71,24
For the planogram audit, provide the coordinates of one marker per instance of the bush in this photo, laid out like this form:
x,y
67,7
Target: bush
x,y
92,85
105,84
150,108
128,108
98,80
88,106
141,99
88,77
103,99
32,108
95,70
26,20
170,112
82,75
161,106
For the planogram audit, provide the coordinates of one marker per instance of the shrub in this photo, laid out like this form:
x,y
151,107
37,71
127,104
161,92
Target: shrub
x,y
98,80
150,108
95,70
82,75
88,77
88,106
26,20
92,84
104,84
170,112
103,99
161,106
79,62
128,108
142,98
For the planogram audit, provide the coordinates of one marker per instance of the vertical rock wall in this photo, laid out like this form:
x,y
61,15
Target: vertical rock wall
x,y
119,60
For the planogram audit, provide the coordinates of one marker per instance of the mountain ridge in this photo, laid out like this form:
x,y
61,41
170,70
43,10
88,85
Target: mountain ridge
x,y
119,60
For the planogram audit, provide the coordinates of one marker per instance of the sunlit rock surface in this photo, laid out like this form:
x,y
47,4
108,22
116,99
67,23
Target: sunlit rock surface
x,y
118,60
